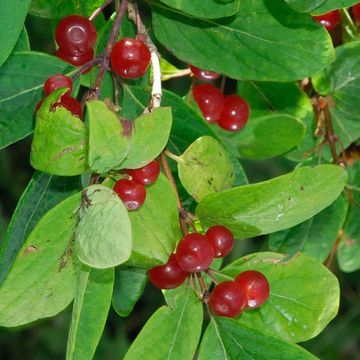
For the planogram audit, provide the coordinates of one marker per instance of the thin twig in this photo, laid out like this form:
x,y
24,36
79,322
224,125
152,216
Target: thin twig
x,y
204,290
86,66
116,91
209,273
330,258
99,10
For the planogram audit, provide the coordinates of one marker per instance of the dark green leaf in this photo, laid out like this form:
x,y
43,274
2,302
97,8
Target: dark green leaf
x,y
329,5
91,306
274,204
272,41
23,43
99,241
304,295
314,237
304,5
128,288
226,339
42,193
42,280
171,333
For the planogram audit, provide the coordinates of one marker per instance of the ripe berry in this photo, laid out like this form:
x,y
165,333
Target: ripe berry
x,y
356,12
75,35
329,20
227,299
147,174
70,104
76,60
255,287
131,193
130,58
221,239
235,113
168,276
203,74
194,253
57,81
210,101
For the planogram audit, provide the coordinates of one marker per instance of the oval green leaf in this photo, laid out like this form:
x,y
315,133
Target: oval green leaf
x,y
103,235
330,5
275,204
42,280
304,295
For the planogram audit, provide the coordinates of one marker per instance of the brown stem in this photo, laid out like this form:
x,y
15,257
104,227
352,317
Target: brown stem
x,y
99,10
210,274
169,175
86,66
204,290
94,179
330,258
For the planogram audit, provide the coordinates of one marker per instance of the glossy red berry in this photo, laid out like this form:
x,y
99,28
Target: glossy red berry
x,y
227,299
221,239
210,101
356,12
76,60
131,193
329,20
255,287
70,104
56,82
147,174
130,58
235,113
75,35
203,74
194,253
168,276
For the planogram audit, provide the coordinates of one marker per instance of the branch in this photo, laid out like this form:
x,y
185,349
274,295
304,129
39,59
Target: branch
x,y
99,10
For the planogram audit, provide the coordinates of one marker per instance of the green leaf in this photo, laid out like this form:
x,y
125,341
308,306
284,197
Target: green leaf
x,y
329,5
226,339
275,204
13,13
107,143
304,295
290,46
211,9
314,237
103,235
90,310
128,287
42,280
149,135
206,161
41,194
341,82
155,226
170,333
60,8
21,84
23,43
60,141
304,5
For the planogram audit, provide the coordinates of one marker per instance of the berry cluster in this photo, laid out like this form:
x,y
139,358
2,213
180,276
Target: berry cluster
x,y
195,253
229,112
131,189
76,37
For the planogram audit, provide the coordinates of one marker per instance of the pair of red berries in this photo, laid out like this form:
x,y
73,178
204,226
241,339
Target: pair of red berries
x,y
62,81
229,112
194,253
130,58
250,290
132,191
76,37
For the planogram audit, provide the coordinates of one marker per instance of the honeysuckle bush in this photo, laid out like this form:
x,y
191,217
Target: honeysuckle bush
x,y
72,242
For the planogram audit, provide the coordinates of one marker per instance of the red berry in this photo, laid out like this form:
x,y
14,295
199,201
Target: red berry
x,y
203,74
57,81
131,193
130,58
235,113
76,60
255,287
147,174
168,276
210,101
227,299
221,239
194,253
329,20
75,35
356,12
70,104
